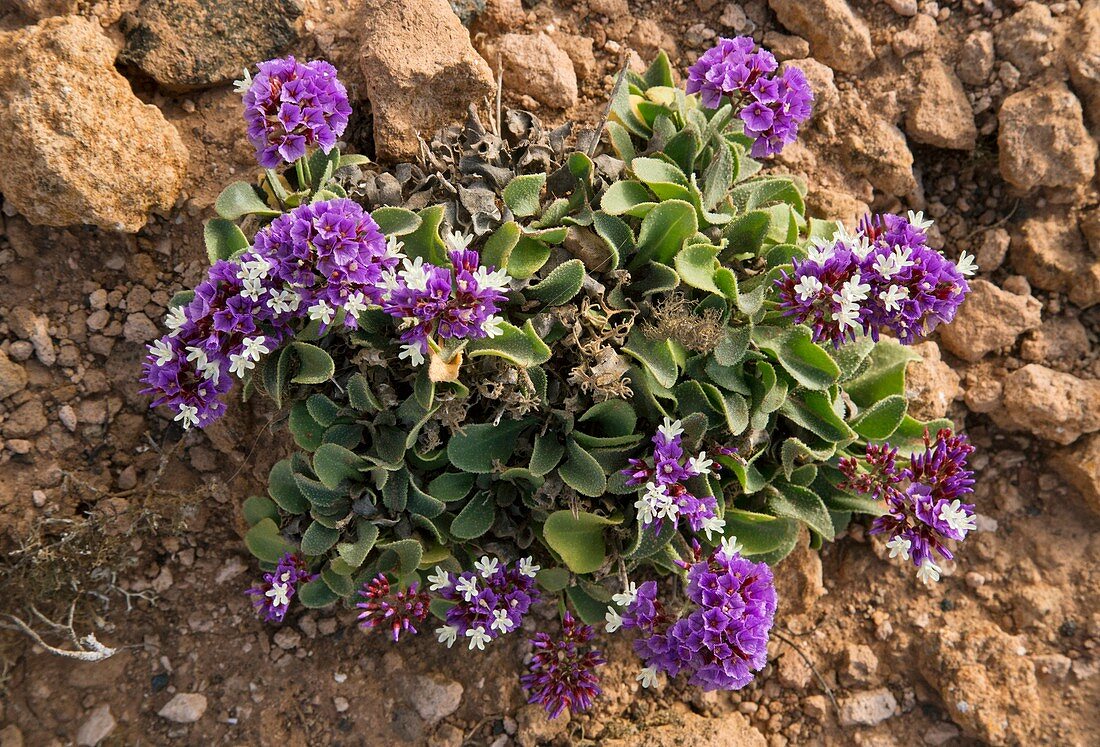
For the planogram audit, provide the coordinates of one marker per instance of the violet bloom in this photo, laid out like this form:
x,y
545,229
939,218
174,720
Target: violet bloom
x,y
882,277
459,302
924,507
723,638
271,597
489,601
291,106
561,674
772,105
401,611
665,495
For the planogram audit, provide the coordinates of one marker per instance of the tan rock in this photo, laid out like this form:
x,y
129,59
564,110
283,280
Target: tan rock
x,y
13,377
648,38
731,730
1043,141
918,36
579,49
40,9
989,689
537,67
1029,39
837,36
930,384
417,82
991,252
989,320
1083,58
77,145
873,147
976,59
1080,467
940,114
867,708
983,388
1050,404
1061,339
1050,250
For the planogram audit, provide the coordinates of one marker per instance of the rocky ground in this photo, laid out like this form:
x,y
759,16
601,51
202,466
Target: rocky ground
x,y
118,114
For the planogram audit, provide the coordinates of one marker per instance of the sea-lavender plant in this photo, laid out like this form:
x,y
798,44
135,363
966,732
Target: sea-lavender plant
x,y
562,671
401,611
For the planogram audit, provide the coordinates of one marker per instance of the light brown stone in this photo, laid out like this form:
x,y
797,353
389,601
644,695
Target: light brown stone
x,y
1043,141
940,114
1050,404
837,36
989,319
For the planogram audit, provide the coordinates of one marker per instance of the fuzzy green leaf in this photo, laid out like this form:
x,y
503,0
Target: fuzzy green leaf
x,y
334,464
797,502
475,518
315,366
284,490
479,445
655,355
522,194
885,374
361,396
527,257
522,347
240,199
498,247
316,593
395,221
760,534
582,472
265,542
318,539
257,508
664,231
578,539
354,553
559,287
404,554
696,265
223,239
627,198
307,432
451,486
879,421
553,579
806,361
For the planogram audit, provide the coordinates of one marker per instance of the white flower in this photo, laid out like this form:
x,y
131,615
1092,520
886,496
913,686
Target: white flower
x,y
820,251
841,234
447,634
456,241
645,511
916,219
388,284
242,85
892,296
187,416
175,319
322,312
239,363
497,279
614,620
487,566
966,264
899,546
196,356
667,508
493,326
414,276
885,266
670,429
394,248
254,347
853,290
700,464
467,587
730,546
808,287
651,504
928,572
957,517
412,352
439,580
252,288
648,677
253,269
501,621
278,594
478,638
283,301
211,370
861,246
627,596
901,257
528,568
163,352
713,524
356,304
847,316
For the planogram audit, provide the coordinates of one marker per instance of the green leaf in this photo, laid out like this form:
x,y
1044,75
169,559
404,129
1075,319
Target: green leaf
x,y
814,412
655,355
360,394
590,611
546,454
424,242
684,147
315,366
395,493
615,417
475,518
797,502
334,464
718,177
696,265
354,553
240,199
498,247
322,409
618,237
760,534
265,542
284,490
885,374
553,579
395,221
223,239
577,539
478,446
627,197
316,593
746,233
879,421
522,194
317,539
522,347
664,231
257,508
807,362
666,179
307,432
422,504
582,472
527,257
559,287
451,486
407,554
621,141
795,452
659,72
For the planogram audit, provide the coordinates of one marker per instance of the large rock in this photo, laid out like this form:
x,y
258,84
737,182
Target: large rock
x,y
1083,58
940,115
420,71
1043,141
1029,39
533,64
1051,404
837,36
76,143
1050,250
989,320
184,708
39,9
435,698
184,44
930,384
867,708
13,377
1080,467
97,727
874,147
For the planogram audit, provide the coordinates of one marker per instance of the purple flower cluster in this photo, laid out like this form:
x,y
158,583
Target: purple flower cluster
x,y
402,611
459,302
293,105
271,597
884,277
488,601
666,496
924,507
315,261
723,639
562,674
772,104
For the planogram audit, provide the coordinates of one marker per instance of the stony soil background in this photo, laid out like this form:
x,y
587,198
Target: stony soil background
x,y
976,111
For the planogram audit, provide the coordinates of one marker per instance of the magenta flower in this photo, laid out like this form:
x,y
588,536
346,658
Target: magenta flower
x,y
401,611
561,673
489,601
271,597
